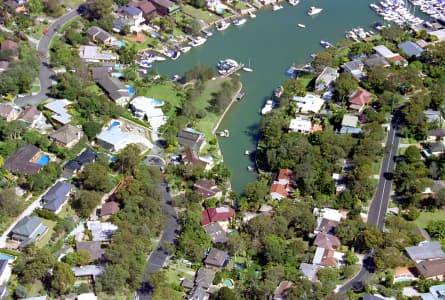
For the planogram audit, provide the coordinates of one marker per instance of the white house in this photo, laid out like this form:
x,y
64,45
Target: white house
x,y
300,124
115,139
328,213
309,104
149,109
5,271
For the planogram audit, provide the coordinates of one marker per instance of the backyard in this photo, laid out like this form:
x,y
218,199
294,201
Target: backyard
x,y
44,240
196,13
426,217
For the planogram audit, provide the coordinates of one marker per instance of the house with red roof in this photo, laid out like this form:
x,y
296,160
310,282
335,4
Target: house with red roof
x,y
359,99
207,188
222,215
283,185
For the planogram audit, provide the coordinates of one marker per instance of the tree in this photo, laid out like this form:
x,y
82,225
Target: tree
x,y
86,202
114,278
436,228
165,292
95,177
293,87
373,237
92,129
128,159
34,6
345,84
225,293
9,203
158,278
63,278
127,55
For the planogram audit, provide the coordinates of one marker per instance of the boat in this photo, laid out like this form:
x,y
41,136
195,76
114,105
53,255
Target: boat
x,y
224,133
294,2
248,69
222,26
153,57
276,7
207,32
267,107
325,44
314,11
302,25
227,66
247,152
173,54
239,22
185,49
250,168
252,15
278,91
145,63
198,41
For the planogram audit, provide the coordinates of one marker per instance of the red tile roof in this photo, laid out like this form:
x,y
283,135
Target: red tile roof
x,y
396,58
327,241
211,215
109,208
279,189
361,97
285,174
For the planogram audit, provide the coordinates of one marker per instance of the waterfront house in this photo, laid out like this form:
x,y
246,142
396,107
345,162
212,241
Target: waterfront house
x,y
216,259
433,116
149,109
94,54
436,135
326,79
114,138
165,7
109,208
57,196
359,99
115,90
9,112
282,290
432,269
310,271
147,8
390,56
24,161
376,60
425,251
27,230
222,215
131,15
310,103
190,138
216,232
284,185
93,248
76,164
349,125
327,241
66,136
59,108
301,124
410,49
403,274
207,188
5,271
355,68
190,157
32,117
101,72
100,36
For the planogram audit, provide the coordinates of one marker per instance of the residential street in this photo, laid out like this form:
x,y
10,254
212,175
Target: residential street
x,y
46,72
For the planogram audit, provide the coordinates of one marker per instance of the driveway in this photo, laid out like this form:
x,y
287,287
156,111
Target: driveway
x,y
46,73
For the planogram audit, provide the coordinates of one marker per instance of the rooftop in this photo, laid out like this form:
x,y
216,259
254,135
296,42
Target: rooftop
x,y
57,195
58,107
431,268
211,215
20,162
216,232
309,103
411,48
425,251
216,258
94,248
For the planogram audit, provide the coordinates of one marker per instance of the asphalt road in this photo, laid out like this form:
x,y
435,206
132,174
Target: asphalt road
x,y
46,73
379,206
160,255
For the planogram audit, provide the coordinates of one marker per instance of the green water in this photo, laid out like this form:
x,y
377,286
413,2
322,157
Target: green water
x,y
272,41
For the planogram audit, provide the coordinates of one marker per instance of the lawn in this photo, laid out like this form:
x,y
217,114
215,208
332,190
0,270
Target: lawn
x,y
73,3
44,240
196,13
425,217
161,91
174,276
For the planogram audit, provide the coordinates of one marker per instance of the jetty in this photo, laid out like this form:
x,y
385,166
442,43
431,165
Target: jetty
x,y
234,70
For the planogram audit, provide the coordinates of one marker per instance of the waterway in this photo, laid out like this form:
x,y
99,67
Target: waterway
x,y
272,42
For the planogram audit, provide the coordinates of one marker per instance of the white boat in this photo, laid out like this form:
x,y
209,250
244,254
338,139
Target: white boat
x,y
239,22
302,25
248,69
276,7
227,66
267,107
294,2
207,32
185,49
325,44
198,41
252,15
222,26
314,11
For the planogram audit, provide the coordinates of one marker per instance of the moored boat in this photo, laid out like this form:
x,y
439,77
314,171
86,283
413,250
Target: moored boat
x,y
314,11
267,107
239,22
185,49
276,7
294,2
223,25
325,44
301,25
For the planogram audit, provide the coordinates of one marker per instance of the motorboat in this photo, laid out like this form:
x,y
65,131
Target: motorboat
x,y
173,54
325,44
267,107
145,63
294,2
198,41
314,11
301,25
278,91
185,49
222,26
252,15
276,7
226,66
207,32
248,68
239,22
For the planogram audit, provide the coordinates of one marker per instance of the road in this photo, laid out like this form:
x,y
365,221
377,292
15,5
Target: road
x,y
46,73
160,255
377,209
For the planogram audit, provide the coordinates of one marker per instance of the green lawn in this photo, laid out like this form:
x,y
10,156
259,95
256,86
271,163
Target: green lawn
x,y
425,217
73,3
44,240
196,13
161,91
174,276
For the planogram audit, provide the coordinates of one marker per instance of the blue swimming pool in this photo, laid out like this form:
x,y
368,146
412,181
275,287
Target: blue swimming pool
x,y
131,90
4,256
43,160
156,102
119,44
117,74
228,283
115,123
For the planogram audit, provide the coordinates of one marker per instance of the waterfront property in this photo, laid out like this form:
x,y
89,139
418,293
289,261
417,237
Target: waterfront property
x,y
190,138
326,79
94,54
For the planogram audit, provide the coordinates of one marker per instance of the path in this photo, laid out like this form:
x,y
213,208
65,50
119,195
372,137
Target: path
x,y
46,73
377,209
159,256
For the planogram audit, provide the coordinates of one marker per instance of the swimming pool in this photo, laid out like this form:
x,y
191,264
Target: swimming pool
x,y
119,44
228,283
131,90
115,123
4,256
156,102
43,160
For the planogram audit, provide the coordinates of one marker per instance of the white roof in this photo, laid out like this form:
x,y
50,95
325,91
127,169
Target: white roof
x,y
101,231
87,296
309,103
61,114
222,209
120,139
88,270
349,121
384,51
94,52
300,125
318,256
328,213
439,33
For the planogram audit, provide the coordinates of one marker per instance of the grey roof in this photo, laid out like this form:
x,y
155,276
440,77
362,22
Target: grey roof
x,y
437,147
216,258
20,162
3,265
101,231
376,60
94,248
438,132
66,134
204,277
383,51
353,65
309,271
27,226
318,256
98,34
198,293
87,156
432,115
425,251
326,225
36,298
372,297
113,87
164,3
88,270
411,48
349,121
57,195
190,138
58,107
101,72
187,283
130,11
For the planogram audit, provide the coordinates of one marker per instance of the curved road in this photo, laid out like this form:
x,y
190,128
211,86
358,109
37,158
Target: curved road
x,y
379,206
46,73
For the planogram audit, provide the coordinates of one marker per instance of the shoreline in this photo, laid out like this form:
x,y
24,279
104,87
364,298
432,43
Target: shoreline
x,y
225,112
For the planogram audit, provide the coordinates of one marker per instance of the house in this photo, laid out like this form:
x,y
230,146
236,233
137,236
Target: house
x,y
425,251
131,15
66,136
216,259
328,213
283,186
115,90
94,248
410,48
326,225
301,124
32,117
433,116
24,161
201,285
94,54
390,56
310,103
100,36
436,148
327,258
76,164
16,6
149,109
355,68
282,290
376,60
101,231
11,47
60,111
327,241
190,157
101,72
398,60
5,271
349,125
9,112
340,182
221,215
86,296
310,271
27,230
437,292
109,208
432,269
436,135
190,138
216,232
359,99
403,274
147,8
91,271
115,139
57,196
207,188
165,7
326,79
36,298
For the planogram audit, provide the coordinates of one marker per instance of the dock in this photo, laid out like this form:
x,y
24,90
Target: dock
x,y
239,67
240,95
